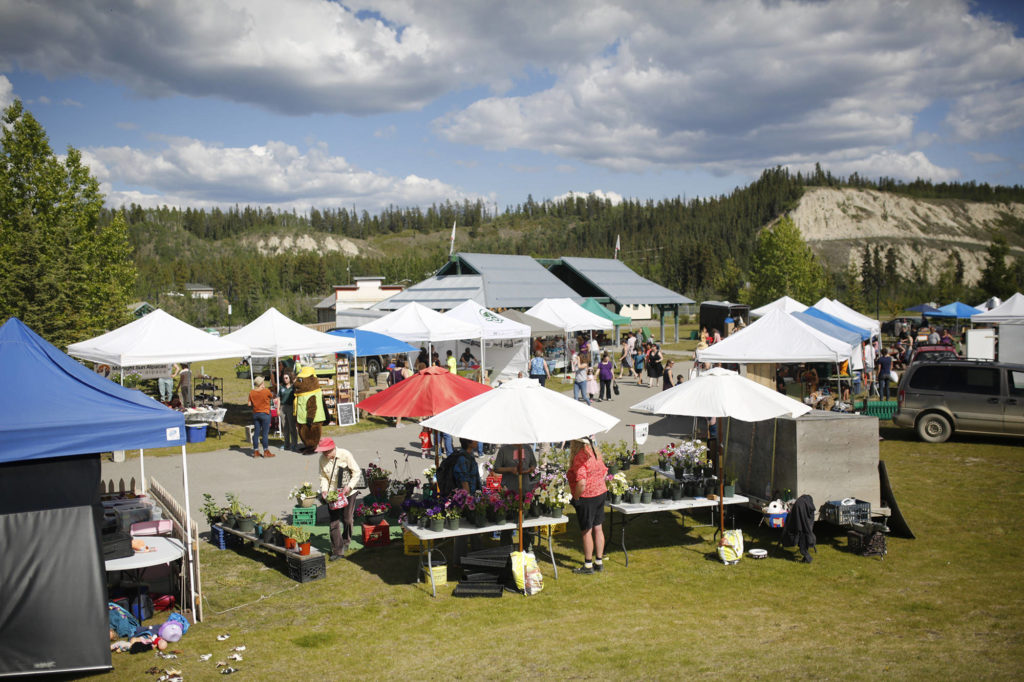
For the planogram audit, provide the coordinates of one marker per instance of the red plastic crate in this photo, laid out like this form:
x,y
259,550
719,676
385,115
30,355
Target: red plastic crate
x,y
377,536
493,482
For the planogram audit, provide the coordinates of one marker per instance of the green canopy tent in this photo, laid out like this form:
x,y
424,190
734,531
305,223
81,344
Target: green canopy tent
x,y
593,306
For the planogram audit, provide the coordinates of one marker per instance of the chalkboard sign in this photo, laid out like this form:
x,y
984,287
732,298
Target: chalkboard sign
x,y
346,414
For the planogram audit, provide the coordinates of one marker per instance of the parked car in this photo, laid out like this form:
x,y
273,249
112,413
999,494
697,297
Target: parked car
x,y
938,398
933,353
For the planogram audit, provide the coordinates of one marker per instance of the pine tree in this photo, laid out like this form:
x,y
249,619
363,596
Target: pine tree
x,y
62,272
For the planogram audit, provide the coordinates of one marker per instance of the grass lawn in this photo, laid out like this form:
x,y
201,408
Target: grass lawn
x,y
946,605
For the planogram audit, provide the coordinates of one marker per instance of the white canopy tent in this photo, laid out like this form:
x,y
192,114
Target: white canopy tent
x,y
156,339
777,337
416,323
784,303
570,317
495,327
848,314
1010,310
272,334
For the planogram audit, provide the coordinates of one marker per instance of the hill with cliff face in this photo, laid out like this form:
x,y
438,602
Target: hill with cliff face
x,y
837,223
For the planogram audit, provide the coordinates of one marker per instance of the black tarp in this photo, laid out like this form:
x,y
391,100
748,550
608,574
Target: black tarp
x,y
53,612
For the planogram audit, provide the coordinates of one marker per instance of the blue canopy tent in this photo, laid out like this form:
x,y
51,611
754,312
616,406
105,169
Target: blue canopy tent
x,y
58,417
826,327
373,343
865,334
957,310
922,308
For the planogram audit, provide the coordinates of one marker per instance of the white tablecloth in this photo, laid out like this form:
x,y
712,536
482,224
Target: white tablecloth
x,y
205,414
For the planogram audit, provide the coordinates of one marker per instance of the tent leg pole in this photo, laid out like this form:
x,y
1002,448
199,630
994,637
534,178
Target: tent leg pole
x,y
142,469
188,534
277,372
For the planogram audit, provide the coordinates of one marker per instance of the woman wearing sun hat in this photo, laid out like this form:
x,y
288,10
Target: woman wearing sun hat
x,y
339,471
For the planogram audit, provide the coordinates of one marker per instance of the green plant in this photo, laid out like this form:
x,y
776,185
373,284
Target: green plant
x,y
259,517
302,492
211,510
376,473
300,534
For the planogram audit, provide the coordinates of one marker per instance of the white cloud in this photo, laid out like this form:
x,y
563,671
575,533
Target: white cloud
x,y
6,92
187,171
987,157
891,164
127,125
68,102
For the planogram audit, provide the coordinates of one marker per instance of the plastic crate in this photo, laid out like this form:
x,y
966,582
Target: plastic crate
x,y
839,514
222,539
553,529
776,520
306,568
377,536
303,516
412,545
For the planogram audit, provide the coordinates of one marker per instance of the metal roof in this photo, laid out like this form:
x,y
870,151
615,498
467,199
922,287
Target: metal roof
x,y
614,279
440,292
327,302
509,281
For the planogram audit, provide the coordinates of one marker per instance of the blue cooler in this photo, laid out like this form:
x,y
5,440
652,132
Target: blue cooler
x,y
196,433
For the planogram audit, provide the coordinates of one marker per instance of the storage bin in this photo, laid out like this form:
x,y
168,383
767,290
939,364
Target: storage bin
x,y
196,433
412,545
835,512
439,569
303,516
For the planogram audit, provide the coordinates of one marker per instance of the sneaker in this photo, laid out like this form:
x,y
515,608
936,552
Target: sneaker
x,y
583,570
335,557
598,567
268,453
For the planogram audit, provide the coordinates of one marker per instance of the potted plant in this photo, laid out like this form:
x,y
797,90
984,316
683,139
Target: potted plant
x,y
656,489
435,515
335,500
372,513
478,507
497,506
646,493
213,512
397,492
377,480
676,491
269,534
304,495
289,533
242,370
617,486
301,536
633,494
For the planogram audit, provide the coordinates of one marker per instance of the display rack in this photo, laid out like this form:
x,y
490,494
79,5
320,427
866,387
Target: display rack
x,y
329,389
208,391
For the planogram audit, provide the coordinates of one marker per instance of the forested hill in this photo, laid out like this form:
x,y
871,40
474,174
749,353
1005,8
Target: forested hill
x,y
701,247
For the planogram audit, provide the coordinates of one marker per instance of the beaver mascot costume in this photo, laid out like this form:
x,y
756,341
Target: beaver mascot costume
x,y
309,409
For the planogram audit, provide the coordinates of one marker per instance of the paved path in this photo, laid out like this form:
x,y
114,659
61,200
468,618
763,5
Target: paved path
x,y
265,483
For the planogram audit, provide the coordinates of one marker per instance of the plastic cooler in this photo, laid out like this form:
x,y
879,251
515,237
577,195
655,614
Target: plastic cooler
x,y
196,433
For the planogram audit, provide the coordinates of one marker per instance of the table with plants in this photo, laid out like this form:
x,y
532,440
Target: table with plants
x,y
435,520
683,480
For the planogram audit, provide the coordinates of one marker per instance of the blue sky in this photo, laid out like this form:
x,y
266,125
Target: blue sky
x,y
293,104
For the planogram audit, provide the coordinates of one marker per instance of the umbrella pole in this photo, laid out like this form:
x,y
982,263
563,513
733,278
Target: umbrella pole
x,y
522,494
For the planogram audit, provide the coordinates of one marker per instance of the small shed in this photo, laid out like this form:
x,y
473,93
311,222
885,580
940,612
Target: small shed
x,y
723,316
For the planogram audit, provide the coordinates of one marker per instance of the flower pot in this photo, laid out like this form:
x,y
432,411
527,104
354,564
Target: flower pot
x,y
633,497
499,518
479,518
290,543
625,466
534,511
677,492
555,512
396,504
453,524
304,549
307,501
247,524
372,519
422,522
679,472
229,521
268,534
437,525
646,497
730,490
639,458
241,375
613,469
379,488
616,499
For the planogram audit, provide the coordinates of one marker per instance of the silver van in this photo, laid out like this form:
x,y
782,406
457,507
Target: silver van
x,y
940,397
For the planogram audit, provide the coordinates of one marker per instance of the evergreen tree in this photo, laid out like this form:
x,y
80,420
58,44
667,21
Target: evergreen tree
x,y
995,278
62,271
783,265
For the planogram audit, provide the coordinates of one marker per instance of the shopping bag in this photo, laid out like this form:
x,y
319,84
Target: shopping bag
x,y
615,387
526,572
731,548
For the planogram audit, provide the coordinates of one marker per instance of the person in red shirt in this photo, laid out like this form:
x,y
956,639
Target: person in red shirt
x,y
259,400
586,484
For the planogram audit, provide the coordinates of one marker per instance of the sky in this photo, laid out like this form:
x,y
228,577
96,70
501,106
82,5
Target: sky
x,y
368,104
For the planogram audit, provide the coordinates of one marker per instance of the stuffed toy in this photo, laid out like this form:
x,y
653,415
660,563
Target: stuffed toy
x,y
309,408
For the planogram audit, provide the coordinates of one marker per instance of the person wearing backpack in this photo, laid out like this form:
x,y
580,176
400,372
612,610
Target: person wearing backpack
x,y
539,369
459,470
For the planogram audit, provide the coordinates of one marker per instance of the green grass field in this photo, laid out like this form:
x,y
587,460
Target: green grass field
x,y
946,605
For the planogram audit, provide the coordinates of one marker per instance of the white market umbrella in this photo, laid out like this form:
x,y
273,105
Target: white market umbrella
x,y
521,411
723,393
